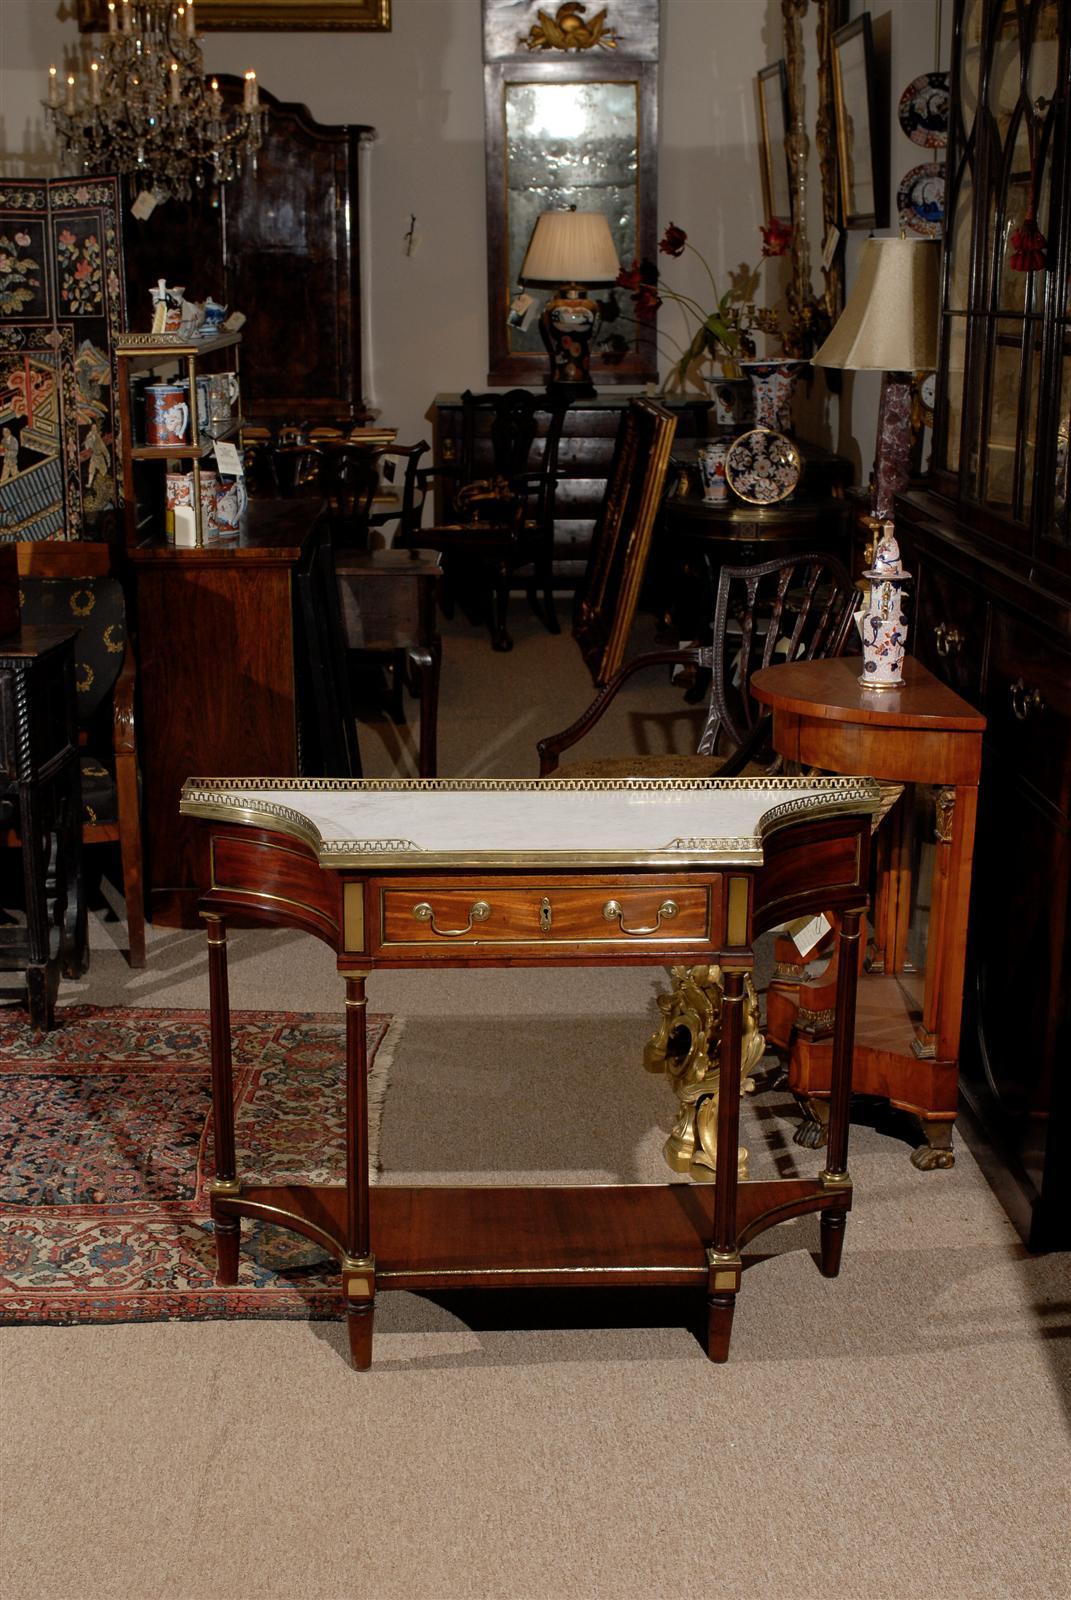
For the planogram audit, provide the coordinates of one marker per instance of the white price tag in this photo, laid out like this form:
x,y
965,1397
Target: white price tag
x,y
829,249
144,206
228,460
806,934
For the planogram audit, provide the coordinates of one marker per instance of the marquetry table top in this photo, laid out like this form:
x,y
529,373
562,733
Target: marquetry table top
x,y
542,824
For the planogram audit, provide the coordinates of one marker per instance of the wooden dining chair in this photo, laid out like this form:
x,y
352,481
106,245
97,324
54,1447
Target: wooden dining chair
x,y
792,609
498,500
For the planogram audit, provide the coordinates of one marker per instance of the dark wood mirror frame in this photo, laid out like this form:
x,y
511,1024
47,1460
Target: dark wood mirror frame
x,y
510,60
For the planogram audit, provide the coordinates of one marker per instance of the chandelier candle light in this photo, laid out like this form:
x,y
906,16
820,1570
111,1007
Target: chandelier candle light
x,y
145,109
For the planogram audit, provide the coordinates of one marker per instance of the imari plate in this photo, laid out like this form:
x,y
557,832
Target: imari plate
x,y
763,467
920,200
923,110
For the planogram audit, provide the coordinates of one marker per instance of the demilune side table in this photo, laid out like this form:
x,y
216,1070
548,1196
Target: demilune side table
x,y
543,873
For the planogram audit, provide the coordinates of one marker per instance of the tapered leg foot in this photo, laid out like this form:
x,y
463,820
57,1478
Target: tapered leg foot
x,y
228,1231
720,1308
832,1242
359,1322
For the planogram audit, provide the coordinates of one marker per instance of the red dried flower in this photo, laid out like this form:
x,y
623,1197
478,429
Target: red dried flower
x,y
1028,247
776,236
673,241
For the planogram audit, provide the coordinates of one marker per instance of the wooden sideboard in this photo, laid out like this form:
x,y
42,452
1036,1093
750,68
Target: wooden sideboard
x,y
218,681
1002,638
584,459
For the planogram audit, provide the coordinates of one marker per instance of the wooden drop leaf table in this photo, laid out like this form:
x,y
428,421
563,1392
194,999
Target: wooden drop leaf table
x,y
545,873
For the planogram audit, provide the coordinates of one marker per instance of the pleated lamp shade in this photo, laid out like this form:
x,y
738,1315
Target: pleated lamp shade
x,y
890,321
571,247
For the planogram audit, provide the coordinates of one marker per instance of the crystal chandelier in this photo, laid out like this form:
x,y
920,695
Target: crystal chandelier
x,y
145,109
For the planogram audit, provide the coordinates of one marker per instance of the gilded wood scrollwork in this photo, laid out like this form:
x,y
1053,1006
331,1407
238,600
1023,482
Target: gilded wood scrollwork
x,y
812,313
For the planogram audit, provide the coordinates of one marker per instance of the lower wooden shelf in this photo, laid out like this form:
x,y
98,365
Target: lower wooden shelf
x,y
591,1236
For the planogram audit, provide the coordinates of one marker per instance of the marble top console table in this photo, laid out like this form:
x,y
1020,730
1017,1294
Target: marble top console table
x,y
514,873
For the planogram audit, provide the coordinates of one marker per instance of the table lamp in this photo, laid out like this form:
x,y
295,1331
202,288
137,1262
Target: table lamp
x,y
570,250
889,325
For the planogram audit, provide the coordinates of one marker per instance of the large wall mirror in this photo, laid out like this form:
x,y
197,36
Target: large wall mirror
x,y
816,293
570,120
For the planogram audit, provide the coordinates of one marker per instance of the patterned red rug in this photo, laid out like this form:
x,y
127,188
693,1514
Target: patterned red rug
x,y
106,1147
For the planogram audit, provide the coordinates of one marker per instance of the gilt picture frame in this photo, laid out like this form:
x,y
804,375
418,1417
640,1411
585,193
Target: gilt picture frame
x,y
256,16
772,83
860,164
621,540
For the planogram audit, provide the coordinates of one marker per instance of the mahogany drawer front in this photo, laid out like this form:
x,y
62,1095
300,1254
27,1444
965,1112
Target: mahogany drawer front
x,y
608,914
1028,706
949,628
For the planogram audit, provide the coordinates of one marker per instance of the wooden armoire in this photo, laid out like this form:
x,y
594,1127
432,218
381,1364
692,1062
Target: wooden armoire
x,y
280,243
989,540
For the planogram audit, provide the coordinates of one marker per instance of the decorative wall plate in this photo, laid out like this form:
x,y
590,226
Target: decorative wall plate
x,y
763,467
920,200
923,110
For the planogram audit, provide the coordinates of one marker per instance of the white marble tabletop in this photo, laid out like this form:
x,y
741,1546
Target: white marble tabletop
x,y
544,824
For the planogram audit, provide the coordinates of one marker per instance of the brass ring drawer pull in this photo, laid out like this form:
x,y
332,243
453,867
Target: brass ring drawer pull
x,y
1024,702
479,911
613,913
949,641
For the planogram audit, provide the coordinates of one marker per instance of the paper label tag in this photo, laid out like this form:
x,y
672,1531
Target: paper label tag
x,y
521,311
829,249
144,206
235,322
809,931
228,460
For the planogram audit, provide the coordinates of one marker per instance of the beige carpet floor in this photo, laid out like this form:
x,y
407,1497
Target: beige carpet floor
x,y
901,1429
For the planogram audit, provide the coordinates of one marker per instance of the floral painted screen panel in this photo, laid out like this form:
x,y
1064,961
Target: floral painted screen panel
x,y
570,144
62,302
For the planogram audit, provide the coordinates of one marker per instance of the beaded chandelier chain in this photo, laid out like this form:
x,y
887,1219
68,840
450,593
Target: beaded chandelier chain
x,y
145,110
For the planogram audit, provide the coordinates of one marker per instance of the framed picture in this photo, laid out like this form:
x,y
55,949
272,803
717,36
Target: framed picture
x,y
773,155
622,536
860,147
255,16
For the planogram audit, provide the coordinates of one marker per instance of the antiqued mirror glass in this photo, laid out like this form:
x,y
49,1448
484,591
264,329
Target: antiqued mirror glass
x,y
569,144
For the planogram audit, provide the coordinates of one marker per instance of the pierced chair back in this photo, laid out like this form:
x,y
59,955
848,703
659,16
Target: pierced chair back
x,y
795,609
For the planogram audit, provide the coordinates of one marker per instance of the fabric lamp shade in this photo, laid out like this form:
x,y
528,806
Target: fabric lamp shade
x,y
571,247
890,321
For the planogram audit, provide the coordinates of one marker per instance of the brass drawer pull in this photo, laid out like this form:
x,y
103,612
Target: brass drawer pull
x,y
1024,701
479,911
948,641
613,913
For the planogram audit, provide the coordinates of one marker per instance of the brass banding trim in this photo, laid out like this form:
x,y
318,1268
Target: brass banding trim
x,y
530,1272
253,895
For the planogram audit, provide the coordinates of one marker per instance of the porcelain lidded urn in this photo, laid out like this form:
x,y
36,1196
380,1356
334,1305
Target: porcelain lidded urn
x,y
884,628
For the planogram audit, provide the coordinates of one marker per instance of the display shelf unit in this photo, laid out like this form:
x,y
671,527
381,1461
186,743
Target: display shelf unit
x,y
989,541
185,359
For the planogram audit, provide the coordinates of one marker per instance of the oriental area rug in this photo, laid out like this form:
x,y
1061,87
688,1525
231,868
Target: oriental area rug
x,y
106,1151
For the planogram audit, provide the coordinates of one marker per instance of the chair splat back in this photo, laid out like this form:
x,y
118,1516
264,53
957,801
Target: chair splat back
x,y
794,609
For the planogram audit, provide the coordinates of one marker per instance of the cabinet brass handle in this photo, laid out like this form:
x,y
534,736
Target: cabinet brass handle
x,y
613,913
949,641
479,911
1024,701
